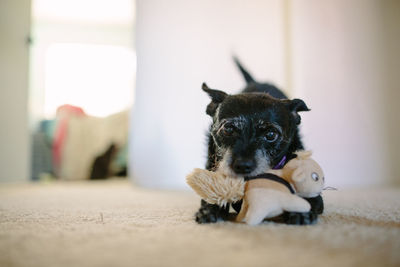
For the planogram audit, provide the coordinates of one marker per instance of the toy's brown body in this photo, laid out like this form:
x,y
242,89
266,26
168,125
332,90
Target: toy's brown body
x,y
266,199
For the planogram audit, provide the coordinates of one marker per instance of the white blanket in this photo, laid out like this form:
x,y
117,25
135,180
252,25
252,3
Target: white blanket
x,y
87,138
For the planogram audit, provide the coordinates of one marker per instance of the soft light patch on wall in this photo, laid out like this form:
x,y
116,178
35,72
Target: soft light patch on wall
x,y
98,78
93,11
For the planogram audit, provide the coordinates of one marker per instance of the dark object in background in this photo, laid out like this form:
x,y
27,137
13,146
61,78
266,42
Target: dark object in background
x,y
123,172
101,168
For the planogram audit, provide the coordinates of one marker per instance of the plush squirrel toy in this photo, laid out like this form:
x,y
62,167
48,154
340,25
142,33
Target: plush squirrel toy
x,y
266,195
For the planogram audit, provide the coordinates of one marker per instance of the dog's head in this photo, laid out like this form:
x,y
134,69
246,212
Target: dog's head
x,y
252,131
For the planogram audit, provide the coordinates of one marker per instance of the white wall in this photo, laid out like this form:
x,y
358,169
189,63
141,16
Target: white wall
x,y
339,56
340,70
179,45
14,137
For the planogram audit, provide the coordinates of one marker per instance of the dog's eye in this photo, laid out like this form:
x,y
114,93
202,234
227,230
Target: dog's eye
x,y
271,136
228,129
315,176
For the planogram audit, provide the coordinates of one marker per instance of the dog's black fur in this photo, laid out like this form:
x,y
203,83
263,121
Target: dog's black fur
x,y
251,132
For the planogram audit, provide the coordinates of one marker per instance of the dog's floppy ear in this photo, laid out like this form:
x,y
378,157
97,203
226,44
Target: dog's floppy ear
x,y
295,106
216,98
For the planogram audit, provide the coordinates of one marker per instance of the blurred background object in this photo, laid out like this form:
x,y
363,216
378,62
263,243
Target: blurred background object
x,y
341,57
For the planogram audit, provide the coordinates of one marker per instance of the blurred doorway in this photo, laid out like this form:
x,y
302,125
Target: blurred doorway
x,y
83,64
82,54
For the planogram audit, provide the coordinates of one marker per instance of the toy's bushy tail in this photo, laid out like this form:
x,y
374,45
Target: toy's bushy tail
x,y
216,188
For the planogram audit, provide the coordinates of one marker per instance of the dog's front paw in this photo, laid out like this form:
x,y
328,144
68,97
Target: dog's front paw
x,y
317,204
210,213
205,216
300,218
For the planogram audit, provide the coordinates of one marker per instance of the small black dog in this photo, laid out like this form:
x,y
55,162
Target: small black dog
x,y
252,132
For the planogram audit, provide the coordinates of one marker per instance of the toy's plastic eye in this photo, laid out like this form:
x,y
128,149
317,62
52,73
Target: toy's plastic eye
x,y
315,176
271,136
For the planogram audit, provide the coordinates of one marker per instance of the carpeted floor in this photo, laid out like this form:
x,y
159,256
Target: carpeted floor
x,y
113,223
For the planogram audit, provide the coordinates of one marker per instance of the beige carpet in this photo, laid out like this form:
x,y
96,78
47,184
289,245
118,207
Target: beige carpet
x,y
115,224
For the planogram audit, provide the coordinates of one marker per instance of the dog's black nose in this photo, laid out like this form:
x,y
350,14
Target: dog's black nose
x,y
243,165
